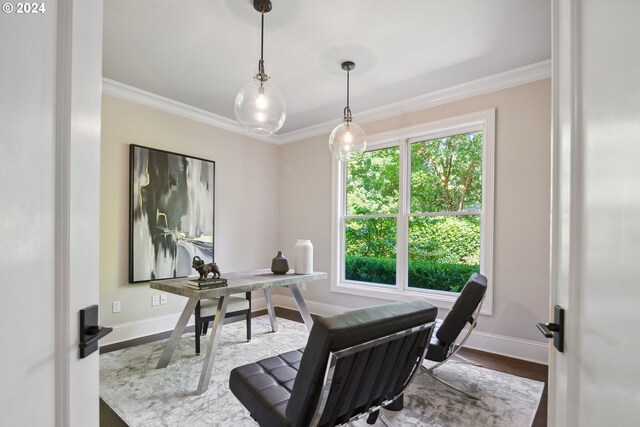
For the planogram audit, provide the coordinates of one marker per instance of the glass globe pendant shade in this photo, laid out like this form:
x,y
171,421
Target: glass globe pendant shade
x,y
260,108
347,141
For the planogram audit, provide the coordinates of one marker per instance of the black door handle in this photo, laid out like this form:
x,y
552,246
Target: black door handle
x,y
555,330
90,332
547,329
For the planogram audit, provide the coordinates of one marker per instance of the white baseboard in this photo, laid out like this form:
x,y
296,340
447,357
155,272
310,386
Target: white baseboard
x,y
145,327
532,351
142,328
517,348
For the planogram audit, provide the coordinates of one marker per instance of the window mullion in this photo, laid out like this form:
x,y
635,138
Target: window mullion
x,y
372,216
343,214
402,238
452,213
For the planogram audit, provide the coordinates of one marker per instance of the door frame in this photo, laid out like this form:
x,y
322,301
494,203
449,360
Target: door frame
x,y
77,196
566,215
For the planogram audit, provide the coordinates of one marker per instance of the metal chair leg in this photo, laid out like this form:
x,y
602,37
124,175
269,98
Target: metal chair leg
x,y
469,361
384,420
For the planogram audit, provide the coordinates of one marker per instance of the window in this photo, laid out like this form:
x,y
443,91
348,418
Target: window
x,y
413,215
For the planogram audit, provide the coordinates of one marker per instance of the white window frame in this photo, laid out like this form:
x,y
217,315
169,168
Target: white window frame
x,y
483,121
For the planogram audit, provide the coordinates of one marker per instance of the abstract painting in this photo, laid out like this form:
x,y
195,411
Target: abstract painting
x,y
171,213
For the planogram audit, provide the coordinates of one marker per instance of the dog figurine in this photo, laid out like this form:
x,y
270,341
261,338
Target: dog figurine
x,y
205,269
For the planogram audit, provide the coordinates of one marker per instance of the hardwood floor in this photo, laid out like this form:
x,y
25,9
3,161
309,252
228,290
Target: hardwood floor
x,y
521,368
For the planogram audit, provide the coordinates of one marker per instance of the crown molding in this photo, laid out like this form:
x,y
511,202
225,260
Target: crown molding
x,y
142,97
516,77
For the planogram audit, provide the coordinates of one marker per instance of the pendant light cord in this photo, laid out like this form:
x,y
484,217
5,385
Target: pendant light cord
x,y
347,110
261,75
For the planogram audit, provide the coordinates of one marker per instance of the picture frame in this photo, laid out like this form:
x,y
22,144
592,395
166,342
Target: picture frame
x,y
171,213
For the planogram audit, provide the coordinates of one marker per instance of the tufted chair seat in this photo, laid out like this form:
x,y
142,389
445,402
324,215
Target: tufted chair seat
x,y
353,364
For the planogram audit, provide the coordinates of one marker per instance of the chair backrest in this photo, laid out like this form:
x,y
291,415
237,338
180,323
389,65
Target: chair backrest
x,y
365,357
463,309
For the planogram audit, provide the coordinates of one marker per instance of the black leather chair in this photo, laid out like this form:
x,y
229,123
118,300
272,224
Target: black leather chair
x,y
205,312
354,364
465,310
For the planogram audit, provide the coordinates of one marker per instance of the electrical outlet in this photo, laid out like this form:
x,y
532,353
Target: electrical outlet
x,y
115,307
163,299
303,287
155,300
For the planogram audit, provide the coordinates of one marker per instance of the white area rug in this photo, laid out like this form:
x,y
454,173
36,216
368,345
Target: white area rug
x,y
144,396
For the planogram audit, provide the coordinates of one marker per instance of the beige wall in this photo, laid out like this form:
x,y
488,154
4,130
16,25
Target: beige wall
x,y
290,187
246,211
522,197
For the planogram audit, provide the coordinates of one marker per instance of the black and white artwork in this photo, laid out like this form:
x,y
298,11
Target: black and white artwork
x,y
171,213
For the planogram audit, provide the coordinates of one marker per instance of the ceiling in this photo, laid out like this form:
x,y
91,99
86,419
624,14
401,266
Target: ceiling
x,y
201,52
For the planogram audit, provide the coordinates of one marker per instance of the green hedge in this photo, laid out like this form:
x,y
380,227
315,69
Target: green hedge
x,y
422,274
446,239
367,269
440,276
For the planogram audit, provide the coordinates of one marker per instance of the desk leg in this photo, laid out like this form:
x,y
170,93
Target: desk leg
x,y
270,310
171,345
212,345
302,306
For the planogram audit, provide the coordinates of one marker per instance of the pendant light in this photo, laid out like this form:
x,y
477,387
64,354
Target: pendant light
x,y
348,139
260,106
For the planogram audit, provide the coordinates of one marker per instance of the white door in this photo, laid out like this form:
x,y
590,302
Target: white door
x,y
50,92
596,212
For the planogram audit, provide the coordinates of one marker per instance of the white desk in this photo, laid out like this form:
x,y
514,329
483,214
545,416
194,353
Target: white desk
x,y
237,283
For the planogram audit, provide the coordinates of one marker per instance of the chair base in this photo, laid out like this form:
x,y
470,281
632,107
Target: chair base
x,y
465,360
396,405
377,415
384,420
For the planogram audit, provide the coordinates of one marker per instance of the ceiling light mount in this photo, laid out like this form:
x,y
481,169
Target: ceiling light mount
x,y
262,6
348,65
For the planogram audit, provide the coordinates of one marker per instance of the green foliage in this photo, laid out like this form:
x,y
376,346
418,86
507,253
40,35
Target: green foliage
x,y
446,174
422,274
373,182
372,270
440,276
448,239
371,237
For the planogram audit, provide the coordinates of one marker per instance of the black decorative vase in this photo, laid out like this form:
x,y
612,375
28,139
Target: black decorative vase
x,y
280,265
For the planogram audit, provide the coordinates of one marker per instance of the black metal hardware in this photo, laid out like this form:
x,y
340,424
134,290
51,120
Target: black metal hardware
x,y
348,66
546,328
90,332
263,6
555,330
